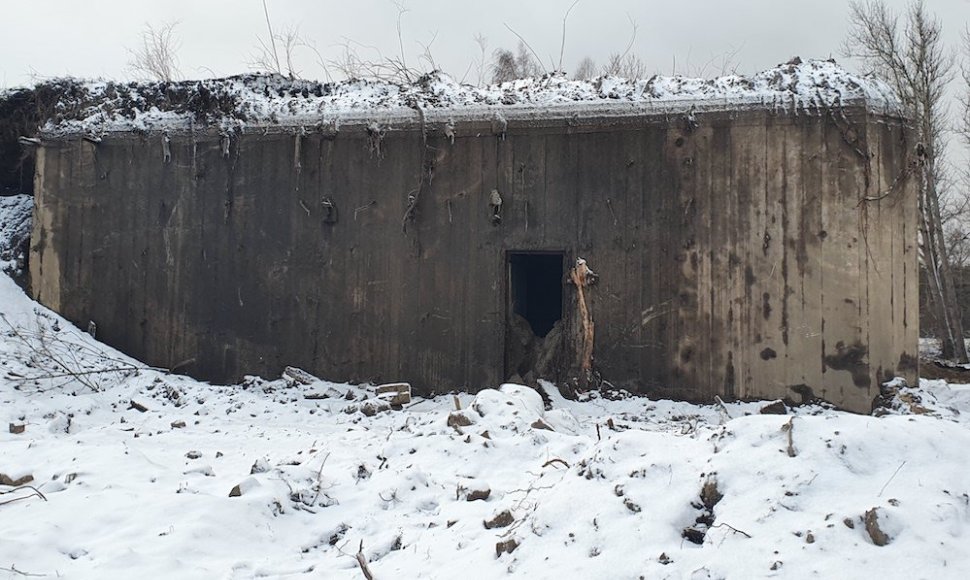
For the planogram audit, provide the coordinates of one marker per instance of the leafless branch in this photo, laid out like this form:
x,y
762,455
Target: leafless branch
x,y
14,570
362,562
34,492
156,58
401,10
272,40
732,528
57,355
538,60
480,63
562,44
625,64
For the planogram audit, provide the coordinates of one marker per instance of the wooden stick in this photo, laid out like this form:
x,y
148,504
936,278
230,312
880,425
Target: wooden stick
x,y
362,561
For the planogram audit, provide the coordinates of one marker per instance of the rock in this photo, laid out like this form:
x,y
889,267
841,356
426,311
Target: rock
x,y
9,480
540,424
809,538
178,424
775,408
193,454
374,406
244,487
710,495
694,535
299,376
260,466
849,523
878,537
664,558
472,490
459,419
478,494
17,429
137,406
506,547
397,394
500,520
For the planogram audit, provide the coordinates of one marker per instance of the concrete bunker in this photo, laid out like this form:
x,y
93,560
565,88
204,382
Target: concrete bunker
x,y
739,232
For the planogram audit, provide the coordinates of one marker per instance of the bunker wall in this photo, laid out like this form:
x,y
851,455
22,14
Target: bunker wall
x,y
735,254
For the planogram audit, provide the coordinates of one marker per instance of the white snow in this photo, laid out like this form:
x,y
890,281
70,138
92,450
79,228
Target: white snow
x,y
95,107
134,470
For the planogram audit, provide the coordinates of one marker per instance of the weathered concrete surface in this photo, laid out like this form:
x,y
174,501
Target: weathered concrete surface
x,y
734,257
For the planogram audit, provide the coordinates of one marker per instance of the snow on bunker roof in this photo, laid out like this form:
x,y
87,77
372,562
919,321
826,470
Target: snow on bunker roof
x,y
239,102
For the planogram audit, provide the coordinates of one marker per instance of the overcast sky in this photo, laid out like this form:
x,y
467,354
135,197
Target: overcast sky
x,y
45,38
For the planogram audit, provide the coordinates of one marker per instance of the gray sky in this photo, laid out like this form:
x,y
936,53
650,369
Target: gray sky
x,y
89,39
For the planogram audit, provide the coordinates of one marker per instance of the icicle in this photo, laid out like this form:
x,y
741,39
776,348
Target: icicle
x,y
450,131
329,211
225,144
297,149
495,202
499,125
166,148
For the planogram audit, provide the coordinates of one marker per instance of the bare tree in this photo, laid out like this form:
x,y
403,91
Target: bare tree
x,y
626,64
913,59
509,66
481,63
156,58
278,55
630,66
586,70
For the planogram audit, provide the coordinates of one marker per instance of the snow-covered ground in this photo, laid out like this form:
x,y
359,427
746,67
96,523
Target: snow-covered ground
x,y
594,489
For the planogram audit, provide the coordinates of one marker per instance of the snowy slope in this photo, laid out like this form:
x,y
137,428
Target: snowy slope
x,y
146,494
95,107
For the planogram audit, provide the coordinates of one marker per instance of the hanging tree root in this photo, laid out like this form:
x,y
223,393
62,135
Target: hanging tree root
x,y
582,277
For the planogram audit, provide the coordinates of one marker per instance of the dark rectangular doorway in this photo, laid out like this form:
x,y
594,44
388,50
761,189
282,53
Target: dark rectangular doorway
x,y
535,288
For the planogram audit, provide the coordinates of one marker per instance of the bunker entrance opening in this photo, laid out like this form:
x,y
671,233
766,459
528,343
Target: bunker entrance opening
x,y
535,340
535,284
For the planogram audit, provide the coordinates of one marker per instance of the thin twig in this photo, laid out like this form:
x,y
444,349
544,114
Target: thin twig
x,y
893,476
733,529
519,36
272,39
14,569
562,45
34,493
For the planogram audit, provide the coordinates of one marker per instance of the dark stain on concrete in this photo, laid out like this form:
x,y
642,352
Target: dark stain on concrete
x,y
850,358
